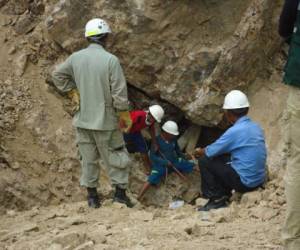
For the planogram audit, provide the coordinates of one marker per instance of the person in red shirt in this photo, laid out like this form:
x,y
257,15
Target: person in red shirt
x,y
139,120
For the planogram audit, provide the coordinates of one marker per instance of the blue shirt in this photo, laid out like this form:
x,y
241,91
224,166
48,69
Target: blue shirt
x,y
246,144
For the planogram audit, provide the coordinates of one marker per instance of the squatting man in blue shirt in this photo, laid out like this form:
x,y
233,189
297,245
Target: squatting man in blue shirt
x,y
236,161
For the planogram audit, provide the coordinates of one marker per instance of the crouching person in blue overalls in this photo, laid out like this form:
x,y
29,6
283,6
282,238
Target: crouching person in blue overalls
x,y
168,158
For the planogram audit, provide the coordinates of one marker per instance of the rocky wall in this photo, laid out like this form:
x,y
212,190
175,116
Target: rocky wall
x,y
189,53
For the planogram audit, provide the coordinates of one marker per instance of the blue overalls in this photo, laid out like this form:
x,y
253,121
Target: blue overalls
x,y
168,152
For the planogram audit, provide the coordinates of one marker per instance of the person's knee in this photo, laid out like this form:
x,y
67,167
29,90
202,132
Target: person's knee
x,y
154,179
88,155
90,162
155,176
203,162
187,167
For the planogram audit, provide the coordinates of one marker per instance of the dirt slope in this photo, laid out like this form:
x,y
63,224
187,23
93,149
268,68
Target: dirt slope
x,y
254,223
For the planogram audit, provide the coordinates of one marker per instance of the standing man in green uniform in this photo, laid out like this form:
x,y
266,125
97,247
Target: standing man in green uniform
x,y
289,29
99,79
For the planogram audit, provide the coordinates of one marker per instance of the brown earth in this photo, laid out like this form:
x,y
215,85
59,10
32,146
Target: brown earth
x,y
252,223
41,203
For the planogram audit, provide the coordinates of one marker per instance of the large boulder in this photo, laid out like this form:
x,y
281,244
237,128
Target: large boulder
x,y
190,53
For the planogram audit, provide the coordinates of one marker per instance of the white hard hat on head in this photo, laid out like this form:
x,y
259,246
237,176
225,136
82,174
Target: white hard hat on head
x,y
236,99
171,128
96,27
157,112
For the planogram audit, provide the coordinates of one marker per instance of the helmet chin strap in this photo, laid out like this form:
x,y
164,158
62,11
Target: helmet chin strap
x,y
97,39
147,119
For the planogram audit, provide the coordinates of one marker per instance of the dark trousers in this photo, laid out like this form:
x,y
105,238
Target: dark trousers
x,y
218,178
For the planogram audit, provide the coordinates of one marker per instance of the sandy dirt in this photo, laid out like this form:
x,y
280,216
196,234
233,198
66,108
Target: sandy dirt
x,y
254,223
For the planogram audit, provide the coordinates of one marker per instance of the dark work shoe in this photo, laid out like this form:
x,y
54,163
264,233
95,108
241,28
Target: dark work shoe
x,y
121,197
93,198
93,201
214,204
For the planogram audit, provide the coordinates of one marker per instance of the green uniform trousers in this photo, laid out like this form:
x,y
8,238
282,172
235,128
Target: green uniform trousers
x,y
107,145
291,230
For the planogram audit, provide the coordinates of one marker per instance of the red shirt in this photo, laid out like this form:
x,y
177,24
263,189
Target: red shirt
x,y
138,118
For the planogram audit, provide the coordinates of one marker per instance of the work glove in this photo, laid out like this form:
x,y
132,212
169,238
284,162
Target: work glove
x,y
125,122
74,96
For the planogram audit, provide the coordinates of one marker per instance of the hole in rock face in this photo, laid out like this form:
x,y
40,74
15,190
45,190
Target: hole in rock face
x,y
209,135
206,135
140,100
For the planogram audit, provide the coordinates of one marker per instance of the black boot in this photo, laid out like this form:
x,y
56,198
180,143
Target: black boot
x,y
121,197
93,198
215,204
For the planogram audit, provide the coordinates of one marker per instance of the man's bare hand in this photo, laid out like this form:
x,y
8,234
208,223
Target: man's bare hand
x,y
148,171
188,156
199,152
169,164
155,147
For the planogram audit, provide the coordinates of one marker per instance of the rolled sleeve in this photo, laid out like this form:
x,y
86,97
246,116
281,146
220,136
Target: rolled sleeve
x,y
221,146
63,76
118,86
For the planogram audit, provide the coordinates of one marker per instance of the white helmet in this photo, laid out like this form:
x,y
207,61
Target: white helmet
x,y
157,112
171,128
236,99
96,27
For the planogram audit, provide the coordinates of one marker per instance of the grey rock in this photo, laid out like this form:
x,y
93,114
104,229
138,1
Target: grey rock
x,y
69,240
89,245
25,24
21,63
16,7
251,198
170,59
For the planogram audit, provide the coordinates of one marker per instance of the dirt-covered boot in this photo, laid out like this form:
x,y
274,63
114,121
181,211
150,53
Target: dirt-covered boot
x,y
121,197
93,198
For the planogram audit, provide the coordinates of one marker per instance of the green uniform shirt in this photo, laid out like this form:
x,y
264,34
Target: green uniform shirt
x,y
292,67
99,78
